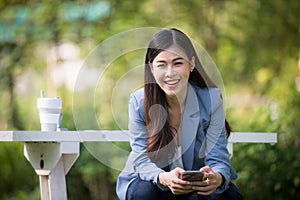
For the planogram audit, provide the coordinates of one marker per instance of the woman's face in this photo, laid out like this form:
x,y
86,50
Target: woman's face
x,y
171,69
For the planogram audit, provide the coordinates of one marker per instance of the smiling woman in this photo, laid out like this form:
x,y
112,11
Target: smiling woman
x,y
176,123
171,70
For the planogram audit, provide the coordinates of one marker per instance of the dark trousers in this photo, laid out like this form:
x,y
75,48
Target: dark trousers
x,y
145,190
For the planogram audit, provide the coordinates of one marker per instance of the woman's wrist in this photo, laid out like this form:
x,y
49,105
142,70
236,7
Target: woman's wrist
x,y
219,179
161,179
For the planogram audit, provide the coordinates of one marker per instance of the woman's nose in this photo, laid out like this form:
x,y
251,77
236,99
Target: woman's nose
x,y
169,71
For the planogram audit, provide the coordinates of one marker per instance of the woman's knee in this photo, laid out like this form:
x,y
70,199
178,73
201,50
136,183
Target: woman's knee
x,y
232,193
140,189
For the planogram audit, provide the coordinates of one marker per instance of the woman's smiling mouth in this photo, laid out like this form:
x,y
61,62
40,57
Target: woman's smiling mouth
x,y
172,83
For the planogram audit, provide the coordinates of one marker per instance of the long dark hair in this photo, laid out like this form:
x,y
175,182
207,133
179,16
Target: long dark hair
x,y
160,131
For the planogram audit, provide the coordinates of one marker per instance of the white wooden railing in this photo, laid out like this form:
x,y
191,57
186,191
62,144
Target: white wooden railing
x,y
52,154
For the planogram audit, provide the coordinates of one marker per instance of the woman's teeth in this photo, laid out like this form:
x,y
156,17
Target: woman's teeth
x,y
172,82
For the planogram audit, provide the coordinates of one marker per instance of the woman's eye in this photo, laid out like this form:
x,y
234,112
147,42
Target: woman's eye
x,y
160,65
178,63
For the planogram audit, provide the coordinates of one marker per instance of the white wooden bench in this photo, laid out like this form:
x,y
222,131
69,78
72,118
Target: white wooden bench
x,y
52,154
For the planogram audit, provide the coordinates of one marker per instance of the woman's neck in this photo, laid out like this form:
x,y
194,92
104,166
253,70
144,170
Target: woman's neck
x,y
177,102
176,106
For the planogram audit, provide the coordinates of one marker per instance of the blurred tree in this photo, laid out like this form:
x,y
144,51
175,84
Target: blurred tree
x,y
24,28
260,48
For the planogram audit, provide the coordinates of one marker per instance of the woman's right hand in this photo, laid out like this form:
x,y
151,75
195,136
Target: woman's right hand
x,y
171,179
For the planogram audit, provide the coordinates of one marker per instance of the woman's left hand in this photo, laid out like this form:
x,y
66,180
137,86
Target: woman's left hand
x,y
212,180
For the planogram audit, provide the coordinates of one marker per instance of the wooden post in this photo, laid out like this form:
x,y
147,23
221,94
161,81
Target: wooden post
x,y
52,161
57,182
44,189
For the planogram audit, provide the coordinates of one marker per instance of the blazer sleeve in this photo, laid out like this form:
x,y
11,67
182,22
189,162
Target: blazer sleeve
x,y
144,168
217,156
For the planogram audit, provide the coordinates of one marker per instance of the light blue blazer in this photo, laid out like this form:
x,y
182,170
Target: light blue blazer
x,y
203,139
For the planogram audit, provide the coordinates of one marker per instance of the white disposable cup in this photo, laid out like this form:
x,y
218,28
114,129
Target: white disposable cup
x,y
49,121
49,113
49,105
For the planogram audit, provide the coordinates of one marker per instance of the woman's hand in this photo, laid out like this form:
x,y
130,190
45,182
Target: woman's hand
x,y
212,180
171,179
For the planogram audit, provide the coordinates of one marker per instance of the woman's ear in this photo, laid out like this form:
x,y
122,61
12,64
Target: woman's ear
x,y
192,63
151,67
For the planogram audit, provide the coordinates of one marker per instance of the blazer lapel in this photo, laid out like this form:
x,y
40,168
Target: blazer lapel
x,y
189,128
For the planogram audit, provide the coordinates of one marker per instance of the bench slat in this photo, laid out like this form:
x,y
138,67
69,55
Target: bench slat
x,y
114,136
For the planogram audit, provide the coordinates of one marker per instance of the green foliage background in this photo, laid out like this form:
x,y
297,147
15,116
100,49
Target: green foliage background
x,y
255,45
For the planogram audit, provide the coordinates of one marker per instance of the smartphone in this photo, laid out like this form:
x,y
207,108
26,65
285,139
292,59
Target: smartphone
x,y
191,176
